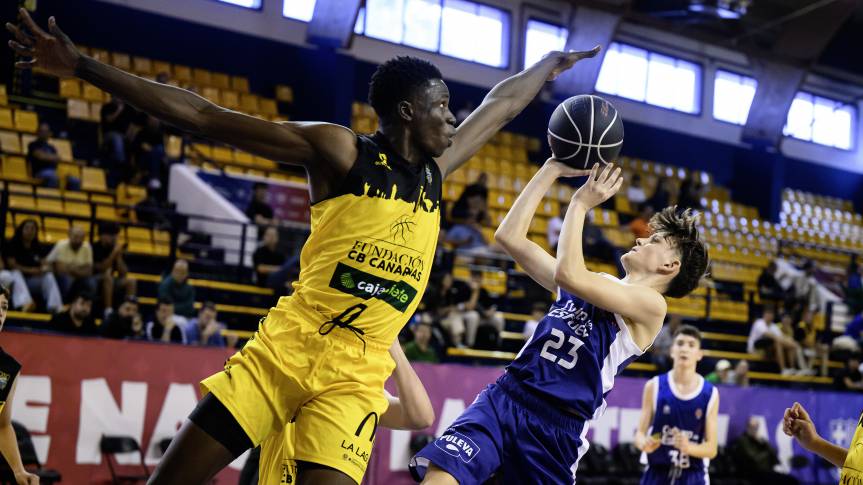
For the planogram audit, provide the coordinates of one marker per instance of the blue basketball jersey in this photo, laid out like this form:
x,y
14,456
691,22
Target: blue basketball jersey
x,y
686,413
574,354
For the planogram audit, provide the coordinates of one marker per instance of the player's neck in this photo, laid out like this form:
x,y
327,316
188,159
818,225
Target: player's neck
x,y
645,279
684,375
400,142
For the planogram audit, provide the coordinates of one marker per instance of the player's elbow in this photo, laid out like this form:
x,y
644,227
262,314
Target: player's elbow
x,y
566,278
503,237
712,451
422,419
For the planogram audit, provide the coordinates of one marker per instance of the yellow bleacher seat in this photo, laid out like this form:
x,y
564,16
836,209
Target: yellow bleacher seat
x,y
284,93
15,168
76,208
129,195
65,170
76,109
211,93
243,158
70,88
56,223
268,106
230,99
92,93
201,150
21,201
121,61
6,120
10,142
160,67
26,121
93,179
49,204
95,111
15,188
240,83
264,163
107,213
223,154
202,77
173,146
182,73
26,140
64,149
100,55
249,103
142,65
221,80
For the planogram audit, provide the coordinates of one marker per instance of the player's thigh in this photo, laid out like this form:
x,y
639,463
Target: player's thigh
x,y
264,383
314,474
438,476
193,457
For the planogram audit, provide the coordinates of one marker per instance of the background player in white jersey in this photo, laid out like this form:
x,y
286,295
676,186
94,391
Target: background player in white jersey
x,y
679,411
529,427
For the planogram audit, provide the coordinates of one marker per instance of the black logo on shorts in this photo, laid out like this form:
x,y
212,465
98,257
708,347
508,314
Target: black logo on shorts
x,y
363,423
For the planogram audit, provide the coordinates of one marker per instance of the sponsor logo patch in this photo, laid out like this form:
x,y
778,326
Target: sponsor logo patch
x,y
352,281
454,443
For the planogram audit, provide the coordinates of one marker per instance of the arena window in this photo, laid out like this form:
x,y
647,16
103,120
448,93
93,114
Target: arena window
x,y
456,28
298,9
732,96
656,79
244,3
820,120
541,38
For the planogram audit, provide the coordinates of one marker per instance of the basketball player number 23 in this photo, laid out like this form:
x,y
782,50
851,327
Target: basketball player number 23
x,y
556,342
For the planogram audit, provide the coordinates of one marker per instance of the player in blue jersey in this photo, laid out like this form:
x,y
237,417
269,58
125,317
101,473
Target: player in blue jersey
x,y
529,427
679,411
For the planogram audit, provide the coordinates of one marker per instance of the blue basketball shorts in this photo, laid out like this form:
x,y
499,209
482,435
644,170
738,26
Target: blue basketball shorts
x,y
669,476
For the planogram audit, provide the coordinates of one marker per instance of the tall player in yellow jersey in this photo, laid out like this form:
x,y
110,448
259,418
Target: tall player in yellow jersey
x,y
320,357
798,424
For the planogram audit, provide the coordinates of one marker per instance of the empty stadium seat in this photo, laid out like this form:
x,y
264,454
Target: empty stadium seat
x,y
10,142
15,168
26,121
93,179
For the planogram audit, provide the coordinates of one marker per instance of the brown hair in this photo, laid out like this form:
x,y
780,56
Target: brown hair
x,y
680,229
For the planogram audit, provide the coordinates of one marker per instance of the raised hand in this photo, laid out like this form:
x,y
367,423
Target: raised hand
x,y
601,185
566,60
798,424
563,170
53,52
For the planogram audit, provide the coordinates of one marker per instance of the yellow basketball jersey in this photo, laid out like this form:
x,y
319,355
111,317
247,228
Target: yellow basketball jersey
x,y
9,370
367,260
852,470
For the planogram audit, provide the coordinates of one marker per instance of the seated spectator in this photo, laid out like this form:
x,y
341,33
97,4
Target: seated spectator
x,y
802,293
443,302
76,319
691,192
43,159
259,210
175,288
13,280
166,326
765,335
481,311
741,373
73,263
419,349
272,268
467,236
205,330
555,224
635,192
537,313
116,119
664,194
640,225
806,334
722,373
472,204
153,211
756,458
850,377
111,272
769,289
149,148
126,322
789,331
25,253
660,351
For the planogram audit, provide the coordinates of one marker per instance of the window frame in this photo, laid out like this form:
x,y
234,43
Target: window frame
x,y
282,12
713,95
699,84
259,8
855,119
534,18
506,37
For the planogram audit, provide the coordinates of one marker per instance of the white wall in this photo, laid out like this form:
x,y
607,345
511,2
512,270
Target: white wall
x,y
269,23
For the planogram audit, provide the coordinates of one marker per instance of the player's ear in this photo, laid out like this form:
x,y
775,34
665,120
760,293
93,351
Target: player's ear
x,y
670,267
405,110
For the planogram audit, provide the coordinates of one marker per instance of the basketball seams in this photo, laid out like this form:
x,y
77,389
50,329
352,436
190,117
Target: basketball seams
x,y
590,139
599,142
577,131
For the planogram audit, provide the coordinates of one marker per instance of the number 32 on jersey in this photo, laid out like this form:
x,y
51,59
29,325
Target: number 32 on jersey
x,y
555,342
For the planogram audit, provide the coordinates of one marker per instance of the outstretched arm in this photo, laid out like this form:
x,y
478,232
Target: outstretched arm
x,y
412,408
305,144
798,424
512,233
503,103
9,444
639,303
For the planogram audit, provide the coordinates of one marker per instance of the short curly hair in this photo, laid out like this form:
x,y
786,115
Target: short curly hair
x,y
396,80
680,229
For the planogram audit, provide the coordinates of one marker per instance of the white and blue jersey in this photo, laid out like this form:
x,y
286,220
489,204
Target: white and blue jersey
x,y
675,412
530,426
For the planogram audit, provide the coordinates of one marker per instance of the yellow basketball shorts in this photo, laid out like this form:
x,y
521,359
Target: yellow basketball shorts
x,y
277,465
330,385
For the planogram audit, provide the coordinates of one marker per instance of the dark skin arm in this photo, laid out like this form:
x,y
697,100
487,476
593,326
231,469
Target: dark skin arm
x,y
326,151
